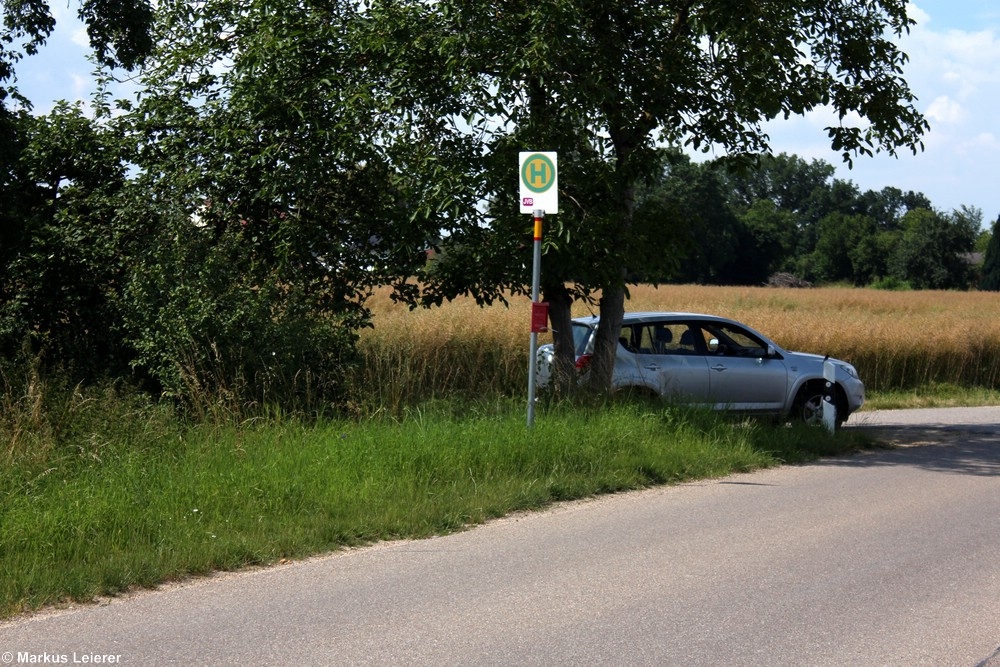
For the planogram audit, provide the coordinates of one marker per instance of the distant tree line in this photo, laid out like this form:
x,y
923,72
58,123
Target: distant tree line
x,y
739,223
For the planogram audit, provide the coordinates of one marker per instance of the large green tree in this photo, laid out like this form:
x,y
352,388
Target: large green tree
x,y
690,204
794,185
321,147
844,249
932,251
58,174
991,261
769,236
266,202
612,80
60,253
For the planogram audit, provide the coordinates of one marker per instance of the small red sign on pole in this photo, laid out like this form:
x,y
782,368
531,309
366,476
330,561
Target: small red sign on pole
x,y
539,317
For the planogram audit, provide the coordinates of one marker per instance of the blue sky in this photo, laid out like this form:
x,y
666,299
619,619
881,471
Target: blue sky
x,y
954,70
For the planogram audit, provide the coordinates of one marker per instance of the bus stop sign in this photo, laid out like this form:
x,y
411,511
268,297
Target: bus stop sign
x,y
539,182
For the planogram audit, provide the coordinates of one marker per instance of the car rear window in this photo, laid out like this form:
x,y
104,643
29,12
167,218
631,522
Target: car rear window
x,y
581,336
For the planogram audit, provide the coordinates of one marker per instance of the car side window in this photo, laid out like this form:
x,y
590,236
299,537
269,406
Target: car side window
x,y
662,338
628,338
731,341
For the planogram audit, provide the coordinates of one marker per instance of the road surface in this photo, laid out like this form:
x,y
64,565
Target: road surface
x,y
884,558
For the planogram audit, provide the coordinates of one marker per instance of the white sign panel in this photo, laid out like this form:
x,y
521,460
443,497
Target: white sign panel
x,y
539,178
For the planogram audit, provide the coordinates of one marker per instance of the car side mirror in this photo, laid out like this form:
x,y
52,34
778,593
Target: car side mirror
x,y
713,345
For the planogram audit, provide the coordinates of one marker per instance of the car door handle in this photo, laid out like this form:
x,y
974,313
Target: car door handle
x,y
652,367
719,367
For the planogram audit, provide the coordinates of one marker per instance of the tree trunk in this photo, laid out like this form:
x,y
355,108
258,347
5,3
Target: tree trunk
x,y
602,365
564,373
612,303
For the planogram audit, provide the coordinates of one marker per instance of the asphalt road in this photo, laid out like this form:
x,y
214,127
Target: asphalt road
x,y
884,558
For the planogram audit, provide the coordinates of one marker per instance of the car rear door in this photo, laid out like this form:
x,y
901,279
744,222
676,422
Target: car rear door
x,y
669,360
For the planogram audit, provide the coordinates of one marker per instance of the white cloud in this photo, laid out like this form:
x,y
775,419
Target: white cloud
x,y
945,110
80,37
61,12
981,143
917,14
962,61
81,86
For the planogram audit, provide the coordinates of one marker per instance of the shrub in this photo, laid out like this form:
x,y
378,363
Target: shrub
x,y
220,331
891,284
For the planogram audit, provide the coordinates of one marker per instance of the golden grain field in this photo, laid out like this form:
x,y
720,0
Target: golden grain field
x,y
897,340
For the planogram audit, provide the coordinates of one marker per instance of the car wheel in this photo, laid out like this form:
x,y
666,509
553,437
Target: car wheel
x,y
809,405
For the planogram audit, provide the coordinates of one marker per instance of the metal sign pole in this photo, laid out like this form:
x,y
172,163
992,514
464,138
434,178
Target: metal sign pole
x,y
539,191
536,273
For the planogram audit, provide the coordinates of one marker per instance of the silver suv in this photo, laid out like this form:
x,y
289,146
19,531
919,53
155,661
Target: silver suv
x,y
714,361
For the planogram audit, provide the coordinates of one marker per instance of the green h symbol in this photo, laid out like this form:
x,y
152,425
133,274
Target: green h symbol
x,y
538,173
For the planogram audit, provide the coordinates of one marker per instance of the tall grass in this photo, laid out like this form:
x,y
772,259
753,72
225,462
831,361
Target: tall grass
x,y
897,340
457,350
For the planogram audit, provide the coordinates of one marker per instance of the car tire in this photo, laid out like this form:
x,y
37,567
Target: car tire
x,y
808,407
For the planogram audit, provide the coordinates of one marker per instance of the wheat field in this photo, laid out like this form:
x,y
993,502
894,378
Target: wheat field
x,y
897,340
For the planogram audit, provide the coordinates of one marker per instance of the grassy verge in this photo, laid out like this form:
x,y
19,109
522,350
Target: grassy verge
x,y
934,395
105,508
